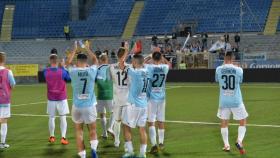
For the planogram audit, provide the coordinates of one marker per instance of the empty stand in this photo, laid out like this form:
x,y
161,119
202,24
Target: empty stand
x,y
160,17
133,20
107,18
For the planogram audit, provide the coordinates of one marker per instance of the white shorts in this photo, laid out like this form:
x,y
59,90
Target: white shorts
x,y
5,112
134,116
156,111
239,113
84,115
118,112
104,105
60,106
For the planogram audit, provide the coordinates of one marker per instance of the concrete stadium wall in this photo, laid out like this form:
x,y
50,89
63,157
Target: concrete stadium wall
x,y
208,75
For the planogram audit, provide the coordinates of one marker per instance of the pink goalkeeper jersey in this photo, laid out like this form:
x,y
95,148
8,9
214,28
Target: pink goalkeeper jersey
x,y
5,87
56,85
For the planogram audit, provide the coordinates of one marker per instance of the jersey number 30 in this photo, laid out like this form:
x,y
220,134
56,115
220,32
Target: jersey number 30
x,y
229,82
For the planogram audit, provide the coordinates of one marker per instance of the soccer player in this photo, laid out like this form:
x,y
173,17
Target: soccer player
x,y
84,100
135,114
56,78
230,77
120,89
156,105
105,95
7,82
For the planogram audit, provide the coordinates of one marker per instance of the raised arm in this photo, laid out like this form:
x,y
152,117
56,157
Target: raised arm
x,y
91,55
72,54
122,60
165,61
126,48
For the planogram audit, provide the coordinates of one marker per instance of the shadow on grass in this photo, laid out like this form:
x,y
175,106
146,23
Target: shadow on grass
x,y
53,150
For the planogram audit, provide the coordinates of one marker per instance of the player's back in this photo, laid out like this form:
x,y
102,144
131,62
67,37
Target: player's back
x,y
139,80
230,77
56,85
104,83
6,81
83,81
158,73
120,83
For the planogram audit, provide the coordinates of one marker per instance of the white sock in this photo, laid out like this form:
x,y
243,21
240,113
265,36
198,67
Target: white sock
x,y
94,144
117,130
103,124
82,154
153,135
111,122
51,125
241,133
63,126
143,149
4,130
224,132
160,136
129,146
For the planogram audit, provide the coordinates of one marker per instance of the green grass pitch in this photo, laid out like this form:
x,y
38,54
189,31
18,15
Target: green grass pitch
x,y
186,103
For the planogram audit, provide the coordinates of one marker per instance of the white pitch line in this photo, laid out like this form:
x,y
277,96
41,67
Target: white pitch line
x,y
215,123
169,121
35,103
263,87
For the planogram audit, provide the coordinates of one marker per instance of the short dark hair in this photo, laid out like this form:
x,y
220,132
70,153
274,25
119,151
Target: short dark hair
x,y
121,52
82,57
53,58
156,56
139,59
103,57
229,53
2,57
54,51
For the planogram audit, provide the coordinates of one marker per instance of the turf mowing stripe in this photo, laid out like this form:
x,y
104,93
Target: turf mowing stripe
x,y
168,121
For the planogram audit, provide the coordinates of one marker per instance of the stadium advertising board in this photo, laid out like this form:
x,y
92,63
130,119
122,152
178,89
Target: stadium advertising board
x,y
24,69
255,56
254,64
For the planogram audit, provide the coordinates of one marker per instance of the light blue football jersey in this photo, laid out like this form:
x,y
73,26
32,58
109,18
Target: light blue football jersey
x,y
83,81
229,77
103,72
138,84
156,88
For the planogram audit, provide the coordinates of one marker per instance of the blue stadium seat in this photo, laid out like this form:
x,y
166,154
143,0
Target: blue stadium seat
x,y
160,17
107,18
38,18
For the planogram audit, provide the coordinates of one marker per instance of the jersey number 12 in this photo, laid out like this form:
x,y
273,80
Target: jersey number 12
x,y
121,78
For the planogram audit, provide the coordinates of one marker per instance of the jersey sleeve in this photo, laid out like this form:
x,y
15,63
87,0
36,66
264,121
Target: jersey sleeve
x,y
166,68
130,71
71,71
65,75
44,73
93,71
217,75
11,79
240,75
